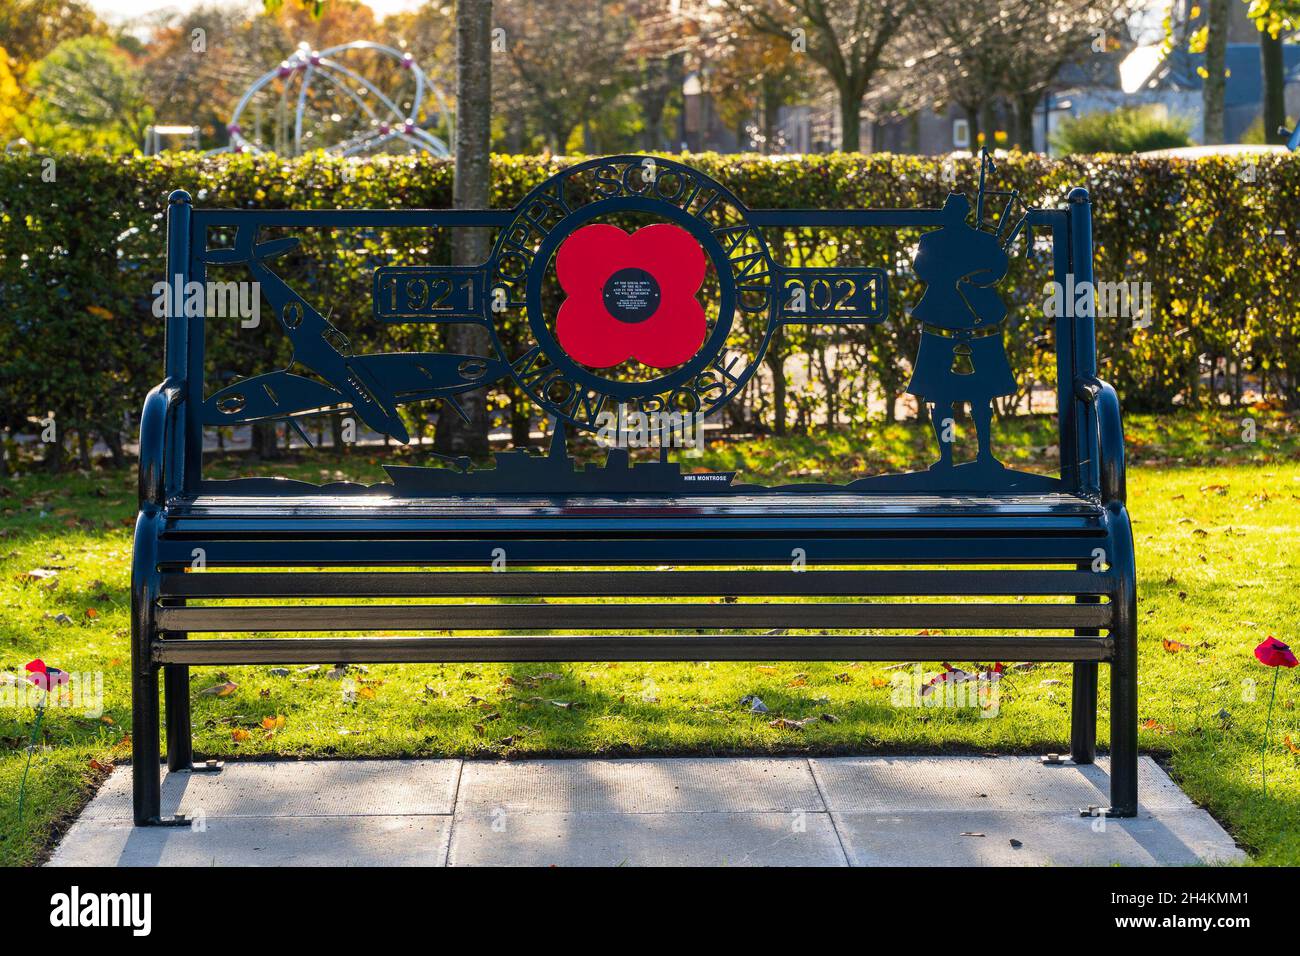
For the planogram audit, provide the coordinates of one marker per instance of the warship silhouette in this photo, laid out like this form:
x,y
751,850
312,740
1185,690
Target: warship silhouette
x,y
518,471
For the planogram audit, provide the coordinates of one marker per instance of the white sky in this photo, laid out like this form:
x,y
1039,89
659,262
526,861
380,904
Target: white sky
x,y
116,11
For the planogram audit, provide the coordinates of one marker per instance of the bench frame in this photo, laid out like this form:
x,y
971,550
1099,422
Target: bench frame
x,y
1092,467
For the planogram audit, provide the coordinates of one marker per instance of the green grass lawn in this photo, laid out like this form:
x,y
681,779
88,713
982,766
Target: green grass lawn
x,y
1216,524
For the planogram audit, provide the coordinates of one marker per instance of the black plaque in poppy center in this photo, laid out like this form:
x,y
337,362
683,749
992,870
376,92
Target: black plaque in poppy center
x,y
631,295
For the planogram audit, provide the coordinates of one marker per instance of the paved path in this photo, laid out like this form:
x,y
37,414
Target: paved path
x,y
861,811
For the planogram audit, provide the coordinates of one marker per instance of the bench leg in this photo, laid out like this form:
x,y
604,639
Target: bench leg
x,y
176,691
146,768
146,772
1083,713
1123,673
1083,696
176,698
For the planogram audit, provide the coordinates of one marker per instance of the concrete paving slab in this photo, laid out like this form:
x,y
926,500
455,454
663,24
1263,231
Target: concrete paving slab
x,y
654,812
262,841
285,788
667,785
983,838
645,839
988,783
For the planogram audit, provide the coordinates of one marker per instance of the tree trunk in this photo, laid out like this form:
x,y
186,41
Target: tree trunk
x,y
470,246
1025,105
1216,51
850,129
973,111
988,124
775,361
55,455
265,443
771,111
1270,53
112,438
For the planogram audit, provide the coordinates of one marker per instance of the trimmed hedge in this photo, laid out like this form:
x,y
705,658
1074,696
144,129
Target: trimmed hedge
x,y
1215,239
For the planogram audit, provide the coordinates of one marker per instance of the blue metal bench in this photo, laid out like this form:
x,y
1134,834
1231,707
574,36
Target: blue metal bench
x,y
930,535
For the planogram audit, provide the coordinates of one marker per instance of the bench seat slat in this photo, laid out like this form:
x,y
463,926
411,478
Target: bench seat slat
x,y
416,650
389,551
252,584
621,616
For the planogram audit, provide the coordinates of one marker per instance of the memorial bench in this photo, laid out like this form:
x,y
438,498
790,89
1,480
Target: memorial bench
x,y
972,530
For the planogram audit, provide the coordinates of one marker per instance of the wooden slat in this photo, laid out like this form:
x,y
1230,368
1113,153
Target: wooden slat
x,y
457,617
245,584
376,650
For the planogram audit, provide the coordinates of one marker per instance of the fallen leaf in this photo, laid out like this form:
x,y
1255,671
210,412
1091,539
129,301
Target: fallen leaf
x,y
1153,724
1290,746
239,735
273,723
221,690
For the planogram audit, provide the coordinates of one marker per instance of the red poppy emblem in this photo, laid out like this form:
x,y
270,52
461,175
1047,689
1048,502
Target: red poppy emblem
x,y
44,676
1274,653
631,296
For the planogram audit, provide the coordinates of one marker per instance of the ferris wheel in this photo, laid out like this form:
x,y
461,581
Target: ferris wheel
x,y
348,100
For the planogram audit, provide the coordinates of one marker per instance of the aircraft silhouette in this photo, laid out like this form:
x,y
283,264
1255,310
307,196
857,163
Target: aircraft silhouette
x,y
373,385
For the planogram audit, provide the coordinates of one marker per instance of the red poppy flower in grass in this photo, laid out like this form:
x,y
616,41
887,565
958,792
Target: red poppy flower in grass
x,y
631,296
45,677
1274,653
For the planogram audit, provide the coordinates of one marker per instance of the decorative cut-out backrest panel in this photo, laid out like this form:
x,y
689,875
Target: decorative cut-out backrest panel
x,y
625,294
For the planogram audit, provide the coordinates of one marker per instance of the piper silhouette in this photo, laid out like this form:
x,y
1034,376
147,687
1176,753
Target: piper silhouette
x,y
962,356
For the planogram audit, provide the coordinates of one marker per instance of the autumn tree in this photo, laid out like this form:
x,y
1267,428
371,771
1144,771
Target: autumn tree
x,y
1274,18
751,76
848,39
31,29
86,94
564,62
10,98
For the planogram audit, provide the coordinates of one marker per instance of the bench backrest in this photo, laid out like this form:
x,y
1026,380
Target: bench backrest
x,y
626,285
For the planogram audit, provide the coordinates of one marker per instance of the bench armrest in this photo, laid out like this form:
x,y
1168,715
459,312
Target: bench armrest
x,y
155,425
1109,436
